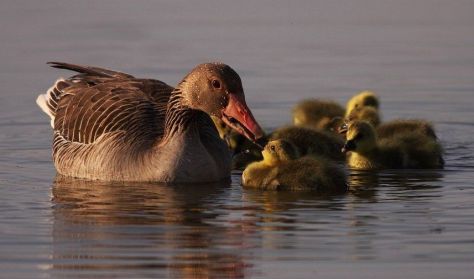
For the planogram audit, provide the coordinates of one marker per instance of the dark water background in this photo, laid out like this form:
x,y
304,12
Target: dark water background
x,y
417,55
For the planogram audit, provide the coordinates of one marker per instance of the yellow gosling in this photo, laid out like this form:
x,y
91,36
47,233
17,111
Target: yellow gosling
x,y
318,114
282,169
392,128
410,149
244,151
312,142
362,99
368,114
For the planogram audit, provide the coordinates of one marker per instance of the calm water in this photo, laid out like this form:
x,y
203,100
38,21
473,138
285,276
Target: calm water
x,y
418,55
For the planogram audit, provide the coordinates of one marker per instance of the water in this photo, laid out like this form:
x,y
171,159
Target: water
x,y
418,55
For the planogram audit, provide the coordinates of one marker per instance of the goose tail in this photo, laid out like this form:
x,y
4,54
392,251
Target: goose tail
x,y
48,101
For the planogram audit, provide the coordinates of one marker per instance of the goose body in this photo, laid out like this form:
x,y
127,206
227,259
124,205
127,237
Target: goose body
x,y
112,126
282,168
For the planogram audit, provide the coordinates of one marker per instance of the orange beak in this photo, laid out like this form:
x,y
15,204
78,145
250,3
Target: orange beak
x,y
239,117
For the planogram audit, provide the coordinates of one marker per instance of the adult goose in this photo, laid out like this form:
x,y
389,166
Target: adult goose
x,y
112,126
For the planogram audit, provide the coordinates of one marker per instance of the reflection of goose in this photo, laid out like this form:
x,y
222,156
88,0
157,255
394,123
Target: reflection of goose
x,y
409,149
115,127
282,169
104,228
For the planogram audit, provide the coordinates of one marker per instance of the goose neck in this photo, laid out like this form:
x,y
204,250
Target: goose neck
x,y
179,116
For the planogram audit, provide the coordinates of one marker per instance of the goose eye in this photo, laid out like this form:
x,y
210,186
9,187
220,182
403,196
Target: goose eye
x,y
216,84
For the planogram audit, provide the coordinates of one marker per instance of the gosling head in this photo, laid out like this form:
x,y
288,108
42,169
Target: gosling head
x,y
277,151
362,99
360,137
216,89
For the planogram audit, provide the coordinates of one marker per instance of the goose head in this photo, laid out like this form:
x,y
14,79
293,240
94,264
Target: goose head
x,y
277,151
360,137
216,89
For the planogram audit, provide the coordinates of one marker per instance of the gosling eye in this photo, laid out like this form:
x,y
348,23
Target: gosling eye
x,y
272,148
216,84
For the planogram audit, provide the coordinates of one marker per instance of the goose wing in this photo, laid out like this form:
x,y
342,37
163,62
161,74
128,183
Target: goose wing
x,y
99,101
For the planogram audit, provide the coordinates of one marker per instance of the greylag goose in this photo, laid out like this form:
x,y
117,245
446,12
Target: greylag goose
x,y
407,149
282,168
112,126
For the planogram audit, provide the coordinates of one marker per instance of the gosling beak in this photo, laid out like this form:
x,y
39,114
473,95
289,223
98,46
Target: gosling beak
x,y
348,146
239,117
261,142
342,129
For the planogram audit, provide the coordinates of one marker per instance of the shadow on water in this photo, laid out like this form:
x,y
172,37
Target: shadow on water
x,y
157,229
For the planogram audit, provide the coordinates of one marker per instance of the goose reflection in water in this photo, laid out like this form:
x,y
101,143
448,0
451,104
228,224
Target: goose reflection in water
x,y
214,230
143,228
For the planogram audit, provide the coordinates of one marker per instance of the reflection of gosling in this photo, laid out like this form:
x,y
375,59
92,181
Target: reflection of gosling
x,y
281,169
318,114
404,150
312,142
362,99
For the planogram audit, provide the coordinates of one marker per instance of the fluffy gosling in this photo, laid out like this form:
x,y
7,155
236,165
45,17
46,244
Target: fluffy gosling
x,y
318,114
312,142
409,149
362,99
282,169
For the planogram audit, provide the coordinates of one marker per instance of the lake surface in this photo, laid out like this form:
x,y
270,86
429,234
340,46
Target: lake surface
x,y
417,55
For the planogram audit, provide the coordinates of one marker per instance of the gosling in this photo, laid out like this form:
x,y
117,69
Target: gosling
x,y
282,169
392,128
312,142
362,99
368,114
244,151
409,149
318,114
